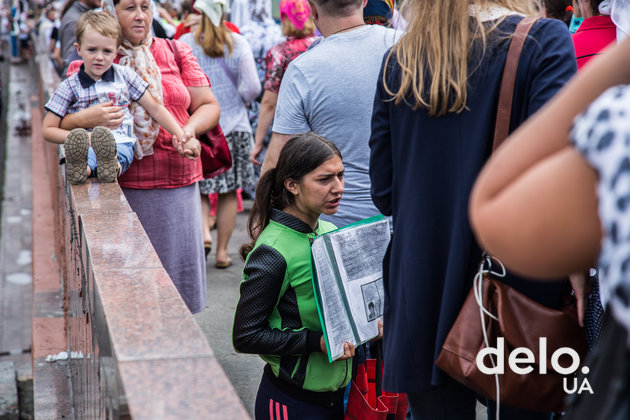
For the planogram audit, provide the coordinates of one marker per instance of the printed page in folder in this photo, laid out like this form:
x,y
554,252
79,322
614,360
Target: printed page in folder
x,y
348,281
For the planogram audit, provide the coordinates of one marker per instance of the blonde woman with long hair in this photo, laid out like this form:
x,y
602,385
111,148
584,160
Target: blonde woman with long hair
x,y
228,61
432,127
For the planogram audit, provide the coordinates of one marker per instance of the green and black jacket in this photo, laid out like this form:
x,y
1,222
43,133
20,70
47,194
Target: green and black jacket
x,y
276,316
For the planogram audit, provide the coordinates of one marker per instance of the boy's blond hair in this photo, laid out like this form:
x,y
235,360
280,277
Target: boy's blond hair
x,y
100,22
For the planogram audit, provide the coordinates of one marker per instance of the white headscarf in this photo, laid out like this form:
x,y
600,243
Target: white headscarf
x,y
214,9
604,7
140,59
620,15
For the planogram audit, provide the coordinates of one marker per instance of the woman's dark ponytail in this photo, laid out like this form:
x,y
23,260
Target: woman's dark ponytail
x,y
261,210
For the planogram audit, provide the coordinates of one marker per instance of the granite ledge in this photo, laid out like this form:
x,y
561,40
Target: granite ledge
x,y
116,240
196,388
95,197
146,317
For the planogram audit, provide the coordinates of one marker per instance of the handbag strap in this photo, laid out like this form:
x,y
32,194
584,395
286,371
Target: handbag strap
x,y
227,72
178,58
506,92
379,368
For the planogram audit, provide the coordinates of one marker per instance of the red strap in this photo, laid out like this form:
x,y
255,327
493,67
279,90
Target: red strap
x,y
178,58
173,46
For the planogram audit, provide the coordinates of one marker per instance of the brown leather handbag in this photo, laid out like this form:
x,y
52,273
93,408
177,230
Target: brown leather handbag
x,y
520,323
494,312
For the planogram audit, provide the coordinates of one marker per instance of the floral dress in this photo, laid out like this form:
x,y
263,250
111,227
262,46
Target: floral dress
x,y
279,57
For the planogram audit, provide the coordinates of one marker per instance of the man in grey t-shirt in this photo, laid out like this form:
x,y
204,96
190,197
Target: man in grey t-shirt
x,y
330,90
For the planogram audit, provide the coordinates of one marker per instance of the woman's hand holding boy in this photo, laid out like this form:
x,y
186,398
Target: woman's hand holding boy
x,y
187,144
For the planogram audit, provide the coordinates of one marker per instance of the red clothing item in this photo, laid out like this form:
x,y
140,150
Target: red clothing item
x,y
278,58
232,27
181,29
594,34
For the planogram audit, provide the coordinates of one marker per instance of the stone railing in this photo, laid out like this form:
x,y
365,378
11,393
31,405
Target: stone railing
x,y
133,348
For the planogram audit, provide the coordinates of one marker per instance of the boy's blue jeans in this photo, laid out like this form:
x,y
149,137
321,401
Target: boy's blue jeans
x,y
125,157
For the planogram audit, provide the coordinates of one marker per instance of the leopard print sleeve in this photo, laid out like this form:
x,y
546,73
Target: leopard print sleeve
x,y
602,135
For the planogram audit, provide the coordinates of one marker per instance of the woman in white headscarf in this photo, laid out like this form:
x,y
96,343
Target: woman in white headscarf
x,y
228,61
161,184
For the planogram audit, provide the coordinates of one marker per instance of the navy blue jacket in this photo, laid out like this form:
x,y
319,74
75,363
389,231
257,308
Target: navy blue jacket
x,y
422,170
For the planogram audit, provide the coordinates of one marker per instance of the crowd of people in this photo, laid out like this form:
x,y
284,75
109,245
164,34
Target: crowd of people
x,y
346,109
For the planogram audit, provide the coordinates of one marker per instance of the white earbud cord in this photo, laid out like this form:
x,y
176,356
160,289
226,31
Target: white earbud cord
x,y
478,289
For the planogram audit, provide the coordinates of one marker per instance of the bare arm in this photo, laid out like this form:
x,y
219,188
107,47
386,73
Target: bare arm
x,y
161,115
204,116
276,144
192,21
204,110
534,204
104,114
51,130
523,150
57,56
265,117
545,222
164,14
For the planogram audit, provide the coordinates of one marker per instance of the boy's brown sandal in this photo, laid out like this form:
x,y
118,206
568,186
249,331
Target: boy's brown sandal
x,y
104,146
76,148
